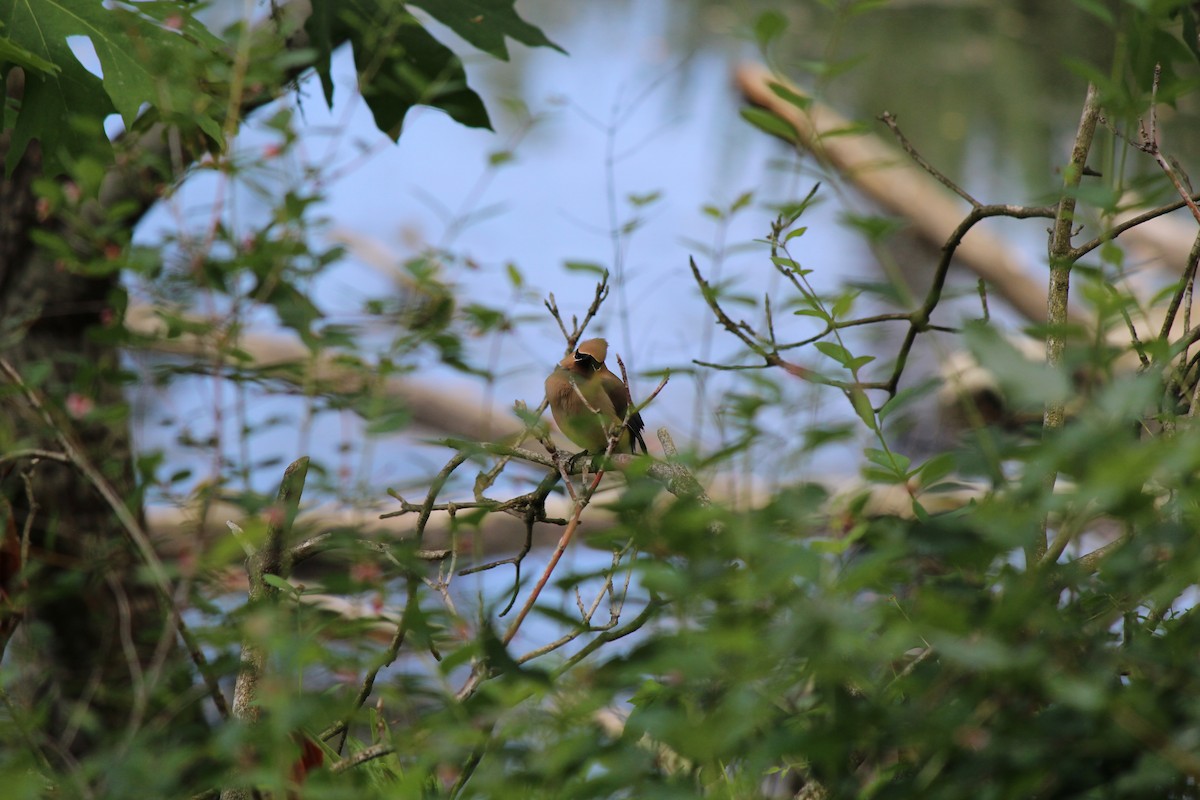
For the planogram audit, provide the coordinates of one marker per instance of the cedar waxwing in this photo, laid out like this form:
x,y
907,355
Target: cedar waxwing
x,y
602,390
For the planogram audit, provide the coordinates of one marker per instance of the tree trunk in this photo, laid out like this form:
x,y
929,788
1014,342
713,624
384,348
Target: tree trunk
x,y
93,624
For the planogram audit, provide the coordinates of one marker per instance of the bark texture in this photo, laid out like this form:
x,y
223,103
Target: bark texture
x,y
93,625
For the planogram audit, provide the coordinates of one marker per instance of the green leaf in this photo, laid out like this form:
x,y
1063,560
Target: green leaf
x,y
896,463
875,228
768,27
1097,9
399,64
639,200
800,101
485,23
389,422
514,275
770,123
1026,382
862,407
281,584
51,99
795,233
843,305
584,266
906,396
30,61
134,51
858,362
936,468
836,352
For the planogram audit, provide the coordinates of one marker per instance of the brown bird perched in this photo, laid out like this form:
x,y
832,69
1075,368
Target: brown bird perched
x,y
603,391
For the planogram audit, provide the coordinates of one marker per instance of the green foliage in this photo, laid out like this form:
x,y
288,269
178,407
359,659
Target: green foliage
x,y
399,63
1012,615
136,48
486,23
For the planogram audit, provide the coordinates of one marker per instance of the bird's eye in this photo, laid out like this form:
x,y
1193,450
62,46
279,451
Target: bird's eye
x,y
584,360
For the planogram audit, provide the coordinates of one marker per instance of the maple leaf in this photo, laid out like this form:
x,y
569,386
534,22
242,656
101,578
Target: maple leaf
x,y
64,106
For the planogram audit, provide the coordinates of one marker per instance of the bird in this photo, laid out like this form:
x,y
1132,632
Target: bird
x,y
607,401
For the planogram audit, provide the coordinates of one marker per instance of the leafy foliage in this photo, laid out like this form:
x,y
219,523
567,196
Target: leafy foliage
x,y
399,64
136,51
1011,615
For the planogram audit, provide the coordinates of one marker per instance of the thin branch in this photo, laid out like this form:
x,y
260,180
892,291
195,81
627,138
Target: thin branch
x,y
919,319
341,727
612,635
1112,233
325,542
887,118
35,454
740,330
559,549
370,753
1150,144
1058,293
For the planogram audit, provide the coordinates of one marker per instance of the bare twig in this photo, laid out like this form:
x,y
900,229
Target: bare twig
x,y
559,549
1150,144
1133,222
324,542
889,119
919,319
742,331
35,454
371,753
341,727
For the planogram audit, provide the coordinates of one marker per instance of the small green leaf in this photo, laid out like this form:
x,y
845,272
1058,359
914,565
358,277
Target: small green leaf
x,y
389,422
836,352
800,101
936,468
770,123
1097,9
769,26
584,266
875,228
795,233
514,275
862,407
858,362
281,584
878,475
843,305
896,463
642,200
